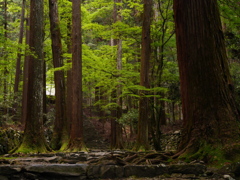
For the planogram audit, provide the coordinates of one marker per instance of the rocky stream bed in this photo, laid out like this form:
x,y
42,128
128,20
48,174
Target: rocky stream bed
x,y
97,164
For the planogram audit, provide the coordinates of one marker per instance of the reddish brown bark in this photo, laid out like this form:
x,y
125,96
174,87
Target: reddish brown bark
x,y
209,111
60,134
33,139
143,121
116,127
69,81
76,133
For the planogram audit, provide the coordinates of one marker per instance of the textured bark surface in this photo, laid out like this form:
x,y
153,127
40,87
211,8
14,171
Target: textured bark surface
x,y
143,121
116,127
69,80
33,140
209,111
76,135
60,134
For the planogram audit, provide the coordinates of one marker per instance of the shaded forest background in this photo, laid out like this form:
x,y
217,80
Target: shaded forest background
x,y
111,54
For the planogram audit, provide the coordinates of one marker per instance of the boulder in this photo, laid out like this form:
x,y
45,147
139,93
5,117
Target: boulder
x,y
196,169
104,171
144,171
58,169
8,170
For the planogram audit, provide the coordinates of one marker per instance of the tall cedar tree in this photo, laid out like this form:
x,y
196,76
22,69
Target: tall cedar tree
x,y
143,121
116,128
69,77
76,142
211,128
33,139
61,133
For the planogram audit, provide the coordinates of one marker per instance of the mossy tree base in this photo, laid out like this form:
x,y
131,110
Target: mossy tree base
x,y
76,145
59,142
32,144
216,155
26,149
210,129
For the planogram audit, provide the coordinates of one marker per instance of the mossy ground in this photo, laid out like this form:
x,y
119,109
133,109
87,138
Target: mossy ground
x,y
26,149
216,156
141,148
7,158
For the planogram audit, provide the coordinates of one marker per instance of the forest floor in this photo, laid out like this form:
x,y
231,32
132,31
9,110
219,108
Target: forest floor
x,y
97,133
103,163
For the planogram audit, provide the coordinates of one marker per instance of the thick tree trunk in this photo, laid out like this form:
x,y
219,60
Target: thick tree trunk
x,y
76,142
116,129
143,121
69,82
210,129
60,134
33,139
44,91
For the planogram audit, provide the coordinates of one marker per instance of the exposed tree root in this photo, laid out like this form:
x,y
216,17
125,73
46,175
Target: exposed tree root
x,y
211,154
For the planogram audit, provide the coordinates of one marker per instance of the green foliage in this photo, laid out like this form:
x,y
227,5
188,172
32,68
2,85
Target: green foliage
x,y
129,118
230,13
99,55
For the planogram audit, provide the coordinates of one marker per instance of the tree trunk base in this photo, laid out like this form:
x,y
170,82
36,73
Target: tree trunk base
x,y
26,147
211,154
59,141
76,145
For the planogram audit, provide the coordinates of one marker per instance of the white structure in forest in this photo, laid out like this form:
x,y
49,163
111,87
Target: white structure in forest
x,y
50,90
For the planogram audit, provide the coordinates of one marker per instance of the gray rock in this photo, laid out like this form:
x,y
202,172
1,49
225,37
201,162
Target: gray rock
x,y
30,160
28,175
196,169
111,172
8,170
58,169
228,177
105,171
144,171
94,172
